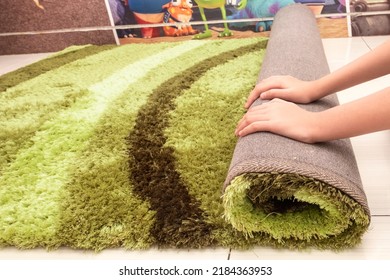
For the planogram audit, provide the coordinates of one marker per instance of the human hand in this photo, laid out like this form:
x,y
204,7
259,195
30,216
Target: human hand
x,y
284,87
280,117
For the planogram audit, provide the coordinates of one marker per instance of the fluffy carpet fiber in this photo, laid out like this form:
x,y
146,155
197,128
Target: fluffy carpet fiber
x,y
129,147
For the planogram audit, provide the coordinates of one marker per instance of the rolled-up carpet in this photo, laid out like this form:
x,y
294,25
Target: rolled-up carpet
x,y
128,146
293,194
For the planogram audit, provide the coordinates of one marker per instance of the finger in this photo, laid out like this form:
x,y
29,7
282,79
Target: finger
x,y
255,114
263,86
275,93
254,94
241,124
274,101
254,127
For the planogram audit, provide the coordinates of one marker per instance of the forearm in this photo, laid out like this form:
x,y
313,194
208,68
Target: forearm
x,y
372,65
366,115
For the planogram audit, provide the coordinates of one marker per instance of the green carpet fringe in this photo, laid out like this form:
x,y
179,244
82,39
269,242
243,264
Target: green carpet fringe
x,y
129,146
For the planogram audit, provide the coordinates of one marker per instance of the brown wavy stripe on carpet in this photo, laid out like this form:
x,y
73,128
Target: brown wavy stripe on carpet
x,y
179,220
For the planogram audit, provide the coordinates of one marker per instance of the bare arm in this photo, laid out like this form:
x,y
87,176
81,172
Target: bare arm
x,y
365,115
370,66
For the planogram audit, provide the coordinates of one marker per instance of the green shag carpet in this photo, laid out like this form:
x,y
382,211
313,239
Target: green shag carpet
x,y
129,146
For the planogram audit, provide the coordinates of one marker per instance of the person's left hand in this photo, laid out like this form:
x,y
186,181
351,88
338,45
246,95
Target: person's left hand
x,y
280,117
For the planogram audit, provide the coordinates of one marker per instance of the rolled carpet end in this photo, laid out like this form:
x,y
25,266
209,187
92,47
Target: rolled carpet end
x,y
294,210
284,192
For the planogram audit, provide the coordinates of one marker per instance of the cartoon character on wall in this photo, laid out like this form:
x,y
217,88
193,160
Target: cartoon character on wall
x,y
214,4
148,12
178,11
259,9
121,16
342,6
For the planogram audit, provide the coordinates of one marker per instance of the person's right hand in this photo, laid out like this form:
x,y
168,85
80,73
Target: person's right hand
x,y
284,87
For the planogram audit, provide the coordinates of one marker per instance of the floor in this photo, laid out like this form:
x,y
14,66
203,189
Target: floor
x,y
372,153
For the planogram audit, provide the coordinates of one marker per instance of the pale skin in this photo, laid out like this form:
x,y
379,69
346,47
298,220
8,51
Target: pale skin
x,y
282,116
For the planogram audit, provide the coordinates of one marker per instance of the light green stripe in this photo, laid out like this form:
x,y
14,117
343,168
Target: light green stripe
x,y
29,98
25,107
39,172
120,80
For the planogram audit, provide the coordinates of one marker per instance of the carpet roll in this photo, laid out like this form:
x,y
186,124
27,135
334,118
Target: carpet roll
x,y
298,195
128,146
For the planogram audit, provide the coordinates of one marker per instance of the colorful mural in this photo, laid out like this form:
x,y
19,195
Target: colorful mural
x,y
170,20
236,12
